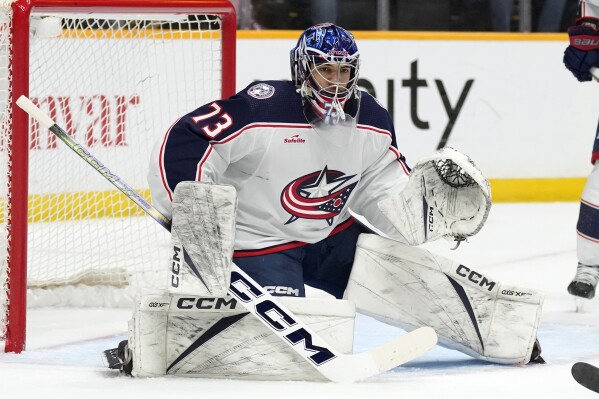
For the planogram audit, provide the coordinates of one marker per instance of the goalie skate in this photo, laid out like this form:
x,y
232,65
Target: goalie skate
x,y
119,358
584,282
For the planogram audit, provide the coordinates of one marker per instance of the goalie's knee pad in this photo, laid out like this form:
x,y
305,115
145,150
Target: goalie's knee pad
x,y
411,287
216,337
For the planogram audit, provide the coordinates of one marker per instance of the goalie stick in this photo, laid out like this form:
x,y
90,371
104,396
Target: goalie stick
x,y
256,300
586,375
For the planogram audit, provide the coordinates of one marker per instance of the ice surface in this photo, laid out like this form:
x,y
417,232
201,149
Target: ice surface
x,y
531,245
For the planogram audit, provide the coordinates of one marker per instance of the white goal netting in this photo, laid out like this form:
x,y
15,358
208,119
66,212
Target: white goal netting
x,y
115,82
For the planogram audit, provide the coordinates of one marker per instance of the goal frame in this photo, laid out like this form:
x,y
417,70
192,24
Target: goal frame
x,y
16,210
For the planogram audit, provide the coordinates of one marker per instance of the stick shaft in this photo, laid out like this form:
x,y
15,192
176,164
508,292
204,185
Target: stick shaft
x,y
116,181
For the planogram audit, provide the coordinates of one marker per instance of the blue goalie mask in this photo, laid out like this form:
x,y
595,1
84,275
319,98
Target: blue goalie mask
x,y
325,65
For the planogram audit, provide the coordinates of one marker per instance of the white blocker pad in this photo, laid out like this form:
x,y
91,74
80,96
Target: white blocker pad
x,y
216,338
410,287
446,196
202,238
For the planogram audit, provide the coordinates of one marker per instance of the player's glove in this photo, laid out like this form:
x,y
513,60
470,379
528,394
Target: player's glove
x,y
583,52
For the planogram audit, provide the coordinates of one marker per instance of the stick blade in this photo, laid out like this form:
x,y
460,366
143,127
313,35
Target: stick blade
x,y
382,358
586,375
403,349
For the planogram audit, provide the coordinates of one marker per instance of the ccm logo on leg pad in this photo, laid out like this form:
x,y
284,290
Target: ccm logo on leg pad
x,y
475,277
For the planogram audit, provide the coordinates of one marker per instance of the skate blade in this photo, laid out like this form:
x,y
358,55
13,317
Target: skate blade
x,y
580,302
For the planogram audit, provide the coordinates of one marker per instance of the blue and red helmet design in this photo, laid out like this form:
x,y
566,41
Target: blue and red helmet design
x,y
319,44
325,44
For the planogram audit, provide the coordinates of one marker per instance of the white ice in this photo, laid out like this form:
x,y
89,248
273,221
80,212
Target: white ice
x,y
531,245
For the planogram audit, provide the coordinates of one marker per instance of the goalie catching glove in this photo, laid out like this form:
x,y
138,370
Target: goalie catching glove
x,y
446,196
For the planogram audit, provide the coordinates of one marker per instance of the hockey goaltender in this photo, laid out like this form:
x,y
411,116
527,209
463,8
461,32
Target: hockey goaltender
x,y
260,187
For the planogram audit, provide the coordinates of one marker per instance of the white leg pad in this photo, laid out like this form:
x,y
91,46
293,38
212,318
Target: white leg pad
x,y
147,335
411,287
216,338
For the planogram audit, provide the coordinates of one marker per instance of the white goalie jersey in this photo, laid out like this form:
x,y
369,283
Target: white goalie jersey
x,y
295,184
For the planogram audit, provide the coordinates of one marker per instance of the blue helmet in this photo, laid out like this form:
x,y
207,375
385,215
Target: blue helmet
x,y
322,43
325,44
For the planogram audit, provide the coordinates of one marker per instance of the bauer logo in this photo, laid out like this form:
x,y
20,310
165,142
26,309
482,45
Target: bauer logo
x,y
261,91
586,42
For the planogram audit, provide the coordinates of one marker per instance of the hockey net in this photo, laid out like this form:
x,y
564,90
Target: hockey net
x,y
115,78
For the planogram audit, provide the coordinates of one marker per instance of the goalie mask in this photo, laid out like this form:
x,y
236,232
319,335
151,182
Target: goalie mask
x,y
325,65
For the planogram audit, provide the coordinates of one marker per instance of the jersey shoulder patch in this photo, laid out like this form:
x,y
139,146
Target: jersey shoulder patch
x,y
261,91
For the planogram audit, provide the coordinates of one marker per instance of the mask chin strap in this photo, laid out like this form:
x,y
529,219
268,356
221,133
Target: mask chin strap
x,y
334,112
329,109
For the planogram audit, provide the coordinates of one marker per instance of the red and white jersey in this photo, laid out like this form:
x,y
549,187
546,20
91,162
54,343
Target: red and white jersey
x,y
295,184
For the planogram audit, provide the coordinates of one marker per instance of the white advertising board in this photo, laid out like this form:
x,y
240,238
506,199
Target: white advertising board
x,y
508,102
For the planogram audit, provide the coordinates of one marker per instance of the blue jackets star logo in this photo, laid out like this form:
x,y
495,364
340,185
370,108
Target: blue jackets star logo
x,y
318,195
261,91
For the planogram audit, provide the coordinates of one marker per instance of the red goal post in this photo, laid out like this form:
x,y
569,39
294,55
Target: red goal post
x,y
115,74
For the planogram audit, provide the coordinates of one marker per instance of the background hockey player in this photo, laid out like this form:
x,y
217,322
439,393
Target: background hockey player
x,y
581,55
301,155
